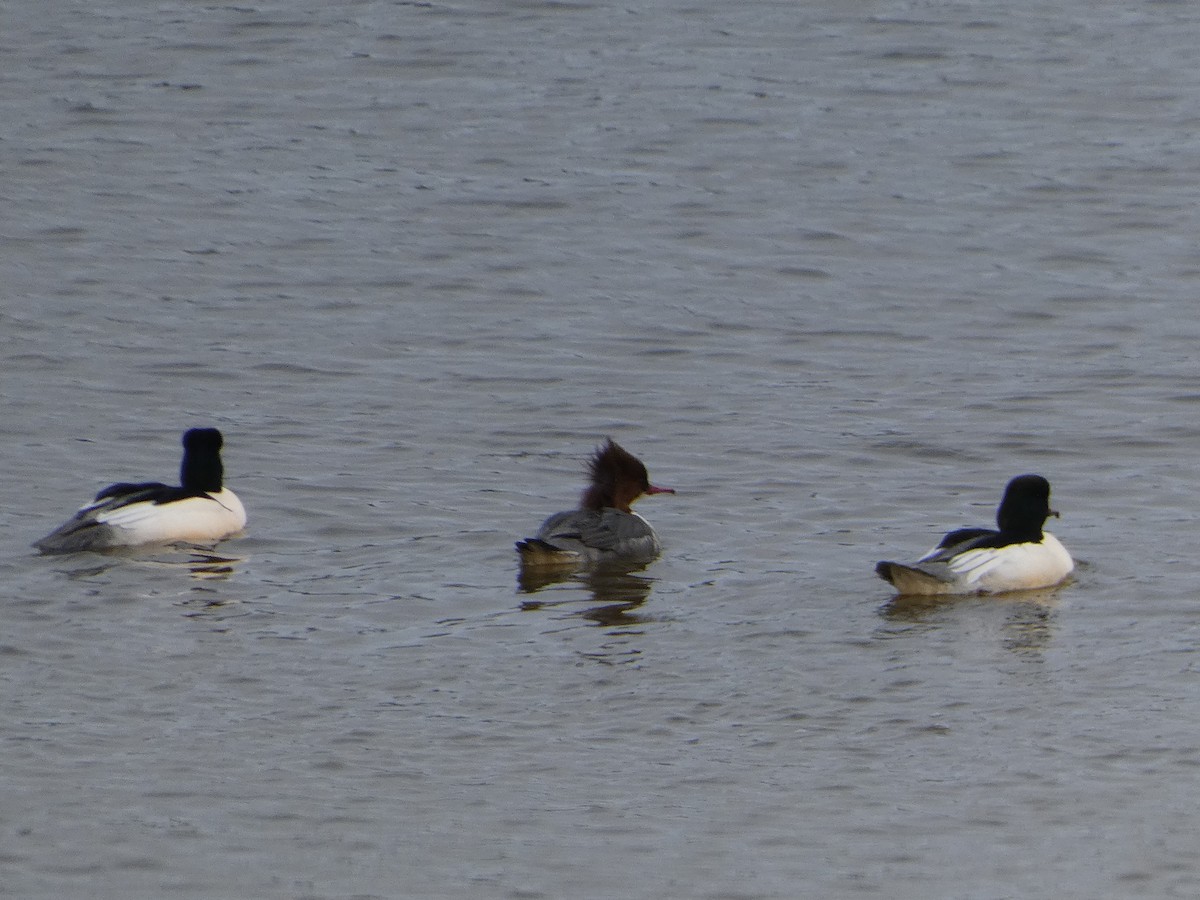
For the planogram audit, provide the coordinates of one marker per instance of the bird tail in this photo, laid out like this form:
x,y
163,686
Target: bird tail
x,y
910,580
536,552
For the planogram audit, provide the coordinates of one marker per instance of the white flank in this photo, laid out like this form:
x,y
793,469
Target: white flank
x,y
989,570
195,519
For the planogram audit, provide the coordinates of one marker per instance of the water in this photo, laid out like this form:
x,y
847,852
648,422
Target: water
x,y
834,271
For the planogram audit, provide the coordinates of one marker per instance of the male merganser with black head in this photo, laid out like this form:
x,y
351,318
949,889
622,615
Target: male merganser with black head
x,y
604,529
1020,556
200,510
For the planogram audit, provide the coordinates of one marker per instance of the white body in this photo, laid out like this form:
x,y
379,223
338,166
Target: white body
x,y
109,523
194,519
987,570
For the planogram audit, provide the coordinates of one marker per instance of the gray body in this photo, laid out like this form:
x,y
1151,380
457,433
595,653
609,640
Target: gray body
x,y
594,536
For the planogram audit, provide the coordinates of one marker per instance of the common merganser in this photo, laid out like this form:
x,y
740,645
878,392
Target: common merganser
x,y
604,529
200,510
1020,556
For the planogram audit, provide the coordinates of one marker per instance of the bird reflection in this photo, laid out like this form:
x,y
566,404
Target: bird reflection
x,y
614,615
612,596
915,607
1030,630
196,562
211,566
531,579
1028,624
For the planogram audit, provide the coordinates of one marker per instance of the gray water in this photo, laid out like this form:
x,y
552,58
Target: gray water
x,y
835,271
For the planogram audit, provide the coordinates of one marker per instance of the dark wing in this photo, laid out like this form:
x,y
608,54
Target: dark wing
x,y
124,493
959,541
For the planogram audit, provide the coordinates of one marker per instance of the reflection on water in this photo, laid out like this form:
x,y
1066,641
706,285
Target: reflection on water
x,y
211,566
915,607
609,596
615,614
196,562
201,603
608,583
1030,630
531,579
1028,616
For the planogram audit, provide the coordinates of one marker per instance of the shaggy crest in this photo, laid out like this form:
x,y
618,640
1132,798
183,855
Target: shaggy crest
x,y
618,478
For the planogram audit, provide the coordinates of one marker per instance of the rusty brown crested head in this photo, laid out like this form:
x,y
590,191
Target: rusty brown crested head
x,y
618,479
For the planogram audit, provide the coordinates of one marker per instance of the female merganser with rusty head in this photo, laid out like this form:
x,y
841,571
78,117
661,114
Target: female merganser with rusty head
x,y
604,529
200,510
1020,556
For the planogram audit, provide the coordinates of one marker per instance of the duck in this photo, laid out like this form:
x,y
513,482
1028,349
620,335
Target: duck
x,y
604,529
1019,556
200,510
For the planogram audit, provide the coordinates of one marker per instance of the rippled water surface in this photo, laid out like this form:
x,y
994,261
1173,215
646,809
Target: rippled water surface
x,y
835,271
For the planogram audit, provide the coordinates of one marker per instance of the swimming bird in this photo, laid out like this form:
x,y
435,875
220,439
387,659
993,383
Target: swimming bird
x,y
604,529
1019,556
200,510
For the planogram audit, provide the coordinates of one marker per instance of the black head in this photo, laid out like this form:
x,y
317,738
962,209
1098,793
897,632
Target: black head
x,y
201,469
203,439
1025,508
